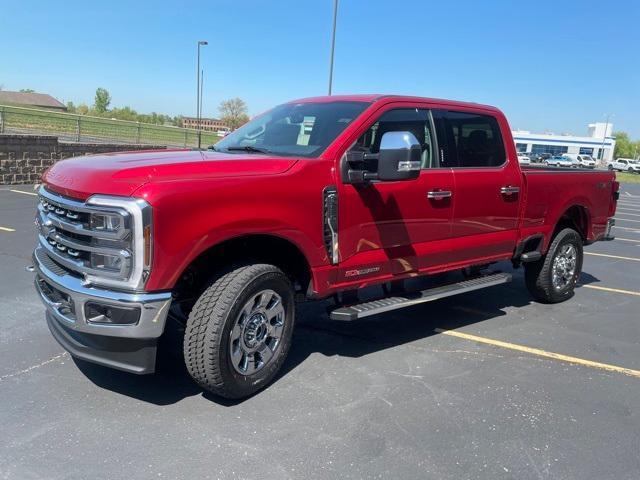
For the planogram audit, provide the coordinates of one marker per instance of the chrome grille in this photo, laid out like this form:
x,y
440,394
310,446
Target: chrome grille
x,y
66,235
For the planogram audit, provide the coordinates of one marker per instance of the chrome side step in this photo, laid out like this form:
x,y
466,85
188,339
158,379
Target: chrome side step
x,y
387,304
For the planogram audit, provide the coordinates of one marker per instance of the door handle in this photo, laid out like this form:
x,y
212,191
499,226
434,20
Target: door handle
x,y
509,190
438,194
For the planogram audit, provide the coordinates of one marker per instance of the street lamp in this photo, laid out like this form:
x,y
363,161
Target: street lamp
x,y
198,93
333,43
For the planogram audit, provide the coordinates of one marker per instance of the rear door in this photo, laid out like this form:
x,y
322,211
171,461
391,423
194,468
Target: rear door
x,y
487,184
396,228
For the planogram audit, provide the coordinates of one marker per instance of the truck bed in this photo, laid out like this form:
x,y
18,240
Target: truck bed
x,y
551,191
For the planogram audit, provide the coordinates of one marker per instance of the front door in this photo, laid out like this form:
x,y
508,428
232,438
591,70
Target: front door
x,y
388,229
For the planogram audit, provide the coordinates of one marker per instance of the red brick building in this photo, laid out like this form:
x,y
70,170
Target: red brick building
x,y
209,124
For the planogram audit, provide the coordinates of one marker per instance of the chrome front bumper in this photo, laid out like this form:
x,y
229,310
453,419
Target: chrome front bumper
x,y
129,347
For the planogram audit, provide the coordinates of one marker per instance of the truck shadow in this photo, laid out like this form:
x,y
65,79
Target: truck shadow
x,y
314,333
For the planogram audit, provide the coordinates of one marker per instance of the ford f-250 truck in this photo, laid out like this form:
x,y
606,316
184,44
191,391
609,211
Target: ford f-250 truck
x,y
317,198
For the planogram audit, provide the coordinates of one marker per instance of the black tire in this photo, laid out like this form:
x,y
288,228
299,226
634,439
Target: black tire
x,y
207,340
539,275
610,167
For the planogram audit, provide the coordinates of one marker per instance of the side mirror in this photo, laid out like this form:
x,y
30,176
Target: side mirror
x,y
400,157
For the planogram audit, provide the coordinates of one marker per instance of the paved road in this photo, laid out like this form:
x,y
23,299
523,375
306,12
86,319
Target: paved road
x,y
383,398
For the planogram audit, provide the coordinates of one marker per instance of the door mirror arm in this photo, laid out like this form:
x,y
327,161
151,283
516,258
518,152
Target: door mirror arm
x,y
356,167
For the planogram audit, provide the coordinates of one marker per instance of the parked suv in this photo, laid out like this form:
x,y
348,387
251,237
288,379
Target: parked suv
x,y
319,198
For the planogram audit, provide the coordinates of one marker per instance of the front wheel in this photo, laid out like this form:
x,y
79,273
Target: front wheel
x,y
610,167
553,278
239,331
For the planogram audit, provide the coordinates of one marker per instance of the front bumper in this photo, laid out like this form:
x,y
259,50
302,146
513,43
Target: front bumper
x,y
129,347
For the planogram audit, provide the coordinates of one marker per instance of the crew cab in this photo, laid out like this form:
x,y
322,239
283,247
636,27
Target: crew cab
x,y
319,198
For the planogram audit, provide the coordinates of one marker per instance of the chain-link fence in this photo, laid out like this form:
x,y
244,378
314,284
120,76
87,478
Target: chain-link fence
x,y
81,128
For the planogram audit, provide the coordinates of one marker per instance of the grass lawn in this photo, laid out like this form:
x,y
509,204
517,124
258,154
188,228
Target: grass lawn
x,y
624,177
70,127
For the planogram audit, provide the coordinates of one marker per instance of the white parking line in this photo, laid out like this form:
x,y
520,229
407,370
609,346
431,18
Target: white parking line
x,y
627,220
627,213
635,230
618,239
7,229
24,193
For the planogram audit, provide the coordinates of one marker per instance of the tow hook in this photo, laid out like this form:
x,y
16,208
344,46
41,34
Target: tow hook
x,y
30,268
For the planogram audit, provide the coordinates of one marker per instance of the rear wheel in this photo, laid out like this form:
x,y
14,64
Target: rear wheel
x,y
610,167
553,278
239,331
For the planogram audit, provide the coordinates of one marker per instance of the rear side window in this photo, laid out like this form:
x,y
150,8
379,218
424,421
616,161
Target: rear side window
x,y
469,139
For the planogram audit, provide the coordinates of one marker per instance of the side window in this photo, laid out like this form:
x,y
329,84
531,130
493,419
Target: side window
x,y
471,140
414,120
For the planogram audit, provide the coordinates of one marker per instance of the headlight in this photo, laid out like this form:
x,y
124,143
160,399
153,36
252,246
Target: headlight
x,y
122,252
106,222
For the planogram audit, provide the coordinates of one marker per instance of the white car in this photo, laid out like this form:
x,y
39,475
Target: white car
x,y
559,161
625,165
523,159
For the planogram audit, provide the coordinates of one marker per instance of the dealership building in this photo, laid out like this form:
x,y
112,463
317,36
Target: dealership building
x,y
598,142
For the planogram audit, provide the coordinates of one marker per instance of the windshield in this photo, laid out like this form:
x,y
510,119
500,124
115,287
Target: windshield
x,y
293,129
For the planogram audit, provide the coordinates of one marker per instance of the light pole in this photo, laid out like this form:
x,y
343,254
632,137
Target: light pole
x,y
200,43
604,137
333,43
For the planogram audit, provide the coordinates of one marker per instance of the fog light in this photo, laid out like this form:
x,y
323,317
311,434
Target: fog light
x,y
97,313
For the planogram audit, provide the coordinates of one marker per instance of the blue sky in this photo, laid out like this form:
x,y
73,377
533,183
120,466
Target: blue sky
x,y
550,65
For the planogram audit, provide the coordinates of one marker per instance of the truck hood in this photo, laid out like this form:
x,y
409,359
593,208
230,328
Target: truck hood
x,y
122,173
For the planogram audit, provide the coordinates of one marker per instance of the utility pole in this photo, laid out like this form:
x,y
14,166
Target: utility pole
x,y
198,103
333,43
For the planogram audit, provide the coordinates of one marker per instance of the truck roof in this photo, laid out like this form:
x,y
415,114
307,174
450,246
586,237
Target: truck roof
x,y
371,98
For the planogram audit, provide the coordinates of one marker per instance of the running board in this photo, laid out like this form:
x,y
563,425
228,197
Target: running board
x,y
374,307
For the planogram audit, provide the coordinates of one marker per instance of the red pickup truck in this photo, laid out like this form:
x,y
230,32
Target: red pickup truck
x,y
320,197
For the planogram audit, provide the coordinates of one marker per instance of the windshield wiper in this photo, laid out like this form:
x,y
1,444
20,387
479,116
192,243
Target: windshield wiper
x,y
248,148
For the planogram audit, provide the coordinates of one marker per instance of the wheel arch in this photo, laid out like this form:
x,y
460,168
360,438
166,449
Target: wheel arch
x,y
244,249
576,216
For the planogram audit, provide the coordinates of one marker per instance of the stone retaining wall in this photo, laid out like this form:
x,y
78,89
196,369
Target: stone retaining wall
x,y
23,158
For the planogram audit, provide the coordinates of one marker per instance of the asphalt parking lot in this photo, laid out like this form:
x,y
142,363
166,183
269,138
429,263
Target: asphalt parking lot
x,y
390,397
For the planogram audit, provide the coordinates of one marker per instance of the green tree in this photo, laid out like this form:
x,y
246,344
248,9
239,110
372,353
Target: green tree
x,y
624,146
233,112
27,90
71,108
82,109
102,101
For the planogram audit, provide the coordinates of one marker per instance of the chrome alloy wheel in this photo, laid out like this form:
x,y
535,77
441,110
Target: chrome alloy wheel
x,y
256,334
564,266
